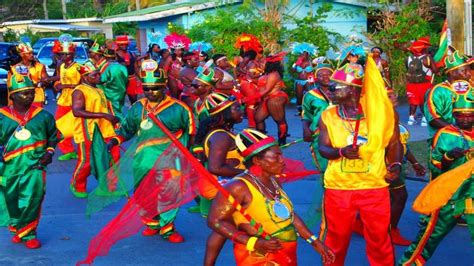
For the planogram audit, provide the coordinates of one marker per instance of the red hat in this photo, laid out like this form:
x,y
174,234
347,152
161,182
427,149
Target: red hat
x,y
86,68
419,45
248,42
122,39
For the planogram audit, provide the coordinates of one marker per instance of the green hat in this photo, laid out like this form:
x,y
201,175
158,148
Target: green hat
x,y
19,83
217,102
465,97
321,66
151,75
207,79
455,61
95,48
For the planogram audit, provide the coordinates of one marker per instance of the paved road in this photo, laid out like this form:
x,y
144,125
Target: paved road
x,y
65,231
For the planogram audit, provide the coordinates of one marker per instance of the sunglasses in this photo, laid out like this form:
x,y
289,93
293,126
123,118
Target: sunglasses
x,y
152,88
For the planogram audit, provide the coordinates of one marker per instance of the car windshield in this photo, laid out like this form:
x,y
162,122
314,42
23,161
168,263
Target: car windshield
x,y
40,43
47,52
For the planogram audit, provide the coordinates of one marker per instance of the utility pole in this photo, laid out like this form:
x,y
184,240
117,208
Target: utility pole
x,y
137,4
455,16
45,9
63,5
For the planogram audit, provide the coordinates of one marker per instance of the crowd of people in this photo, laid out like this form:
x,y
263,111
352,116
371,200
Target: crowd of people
x,y
348,118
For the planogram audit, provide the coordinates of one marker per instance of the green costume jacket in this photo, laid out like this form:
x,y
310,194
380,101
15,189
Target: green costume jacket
x,y
314,103
152,141
445,140
114,80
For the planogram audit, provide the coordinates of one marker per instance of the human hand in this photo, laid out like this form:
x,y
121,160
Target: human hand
x,y
393,173
112,143
455,153
46,159
419,169
327,255
265,246
350,152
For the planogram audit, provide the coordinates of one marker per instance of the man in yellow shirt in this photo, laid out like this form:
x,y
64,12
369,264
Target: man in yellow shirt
x,y
92,112
357,182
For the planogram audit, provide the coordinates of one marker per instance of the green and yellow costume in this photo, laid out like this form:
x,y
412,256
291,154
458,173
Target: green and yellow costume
x,y
114,79
22,177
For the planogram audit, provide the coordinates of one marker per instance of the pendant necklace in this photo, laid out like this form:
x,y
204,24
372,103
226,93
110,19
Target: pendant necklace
x,y
279,209
21,133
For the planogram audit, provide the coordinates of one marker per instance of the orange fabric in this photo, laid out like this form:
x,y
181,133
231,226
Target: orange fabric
x,y
285,257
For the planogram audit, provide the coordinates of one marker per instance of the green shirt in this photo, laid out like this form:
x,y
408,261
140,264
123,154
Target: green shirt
x,y
114,80
314,103
21,155
439,105
445,140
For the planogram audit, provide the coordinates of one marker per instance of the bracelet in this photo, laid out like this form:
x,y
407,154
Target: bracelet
x,y
417,163
251,243
50,150
236,234
311,239
393,164
340,153
445,156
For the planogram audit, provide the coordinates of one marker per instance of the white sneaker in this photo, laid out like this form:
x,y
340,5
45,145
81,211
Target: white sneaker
x,y
411,121
423,122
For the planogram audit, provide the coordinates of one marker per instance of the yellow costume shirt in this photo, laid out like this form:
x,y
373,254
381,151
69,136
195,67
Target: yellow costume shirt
x,y
68,76
346,174
95,102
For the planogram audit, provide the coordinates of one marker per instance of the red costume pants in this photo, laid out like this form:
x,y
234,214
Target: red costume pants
x,y
340,208
83,166
65,145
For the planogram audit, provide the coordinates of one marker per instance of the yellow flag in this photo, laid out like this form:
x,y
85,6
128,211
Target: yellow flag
x,y
439,191
378,110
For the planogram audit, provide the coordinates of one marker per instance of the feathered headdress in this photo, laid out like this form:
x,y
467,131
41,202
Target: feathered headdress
x,y
248,42
153,37
24,46
65,44
299,48
177,41
276,57
200,47
352,49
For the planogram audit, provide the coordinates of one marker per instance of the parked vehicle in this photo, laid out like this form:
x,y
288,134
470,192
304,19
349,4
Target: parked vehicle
x,y
8,55
45,56
39,43
3,87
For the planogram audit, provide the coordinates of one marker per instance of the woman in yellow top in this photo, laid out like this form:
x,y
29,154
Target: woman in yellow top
x,y
259,191
223,158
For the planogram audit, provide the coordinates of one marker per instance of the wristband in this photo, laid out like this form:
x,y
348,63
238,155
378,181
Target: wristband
x,y
311,239
393,164
251,243
445,156
50,150
340,153
417,163
236,234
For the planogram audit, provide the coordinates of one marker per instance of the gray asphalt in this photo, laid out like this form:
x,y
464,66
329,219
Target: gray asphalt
x,y
65,231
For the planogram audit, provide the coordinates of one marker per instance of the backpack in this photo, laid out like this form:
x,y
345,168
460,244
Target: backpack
x,y
415,73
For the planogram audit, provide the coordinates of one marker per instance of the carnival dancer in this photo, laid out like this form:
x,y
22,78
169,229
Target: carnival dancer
x,y
178,45
349,60
223,160
273,97
152,141
69,78
452,149
202,86
92,112
113,79
186,77
129,60
315,102
29,66
353,137
261,194
439,103
28,137
304,71
250,71
202,49
420,73
382,64
225,82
